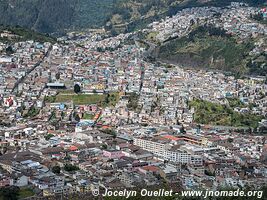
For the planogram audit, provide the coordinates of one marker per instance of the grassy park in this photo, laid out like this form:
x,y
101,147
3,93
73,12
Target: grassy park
x,y
83,99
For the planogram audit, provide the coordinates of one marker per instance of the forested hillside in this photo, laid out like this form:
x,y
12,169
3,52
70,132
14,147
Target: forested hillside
x,y
50,16
23,34
135,14
212,48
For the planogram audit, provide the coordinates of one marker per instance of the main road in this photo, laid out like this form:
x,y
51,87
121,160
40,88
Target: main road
x,y
14,90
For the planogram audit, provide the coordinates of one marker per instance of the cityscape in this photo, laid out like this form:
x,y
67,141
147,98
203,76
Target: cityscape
x,y
89,113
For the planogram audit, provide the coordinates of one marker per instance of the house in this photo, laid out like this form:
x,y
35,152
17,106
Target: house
x,y
113,153
21,181
169,173
5,181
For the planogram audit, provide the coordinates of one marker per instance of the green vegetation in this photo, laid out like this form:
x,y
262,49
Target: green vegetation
x,y
88,116
32,112
258,65
51,16
25,34
104,146
259,17
52,117
81,99
132,15
14,193
48,136
50,99
70,168
235,102
9,193
56,169
93,13
9,50
110,99
59,16
110,132
211,48
25,193
133,101
152,36
77,88
76,117
216,114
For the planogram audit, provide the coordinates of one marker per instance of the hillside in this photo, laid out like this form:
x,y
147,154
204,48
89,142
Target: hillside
x,y
132,15
212,48
23,34
50,16
216,114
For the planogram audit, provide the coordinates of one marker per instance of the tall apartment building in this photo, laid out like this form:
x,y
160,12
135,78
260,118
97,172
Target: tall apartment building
x,y
156,146
165,149
182,156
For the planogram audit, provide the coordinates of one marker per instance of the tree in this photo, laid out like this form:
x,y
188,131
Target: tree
x,y
230,140
182,130
133,101
77,88
77,117
70,167
58,76
47,137
4,150
56,170
113,32
9,50
208,173
107,99
67,157
9,193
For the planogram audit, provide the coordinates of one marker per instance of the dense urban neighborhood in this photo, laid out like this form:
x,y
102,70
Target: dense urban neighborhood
x,y
93,112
